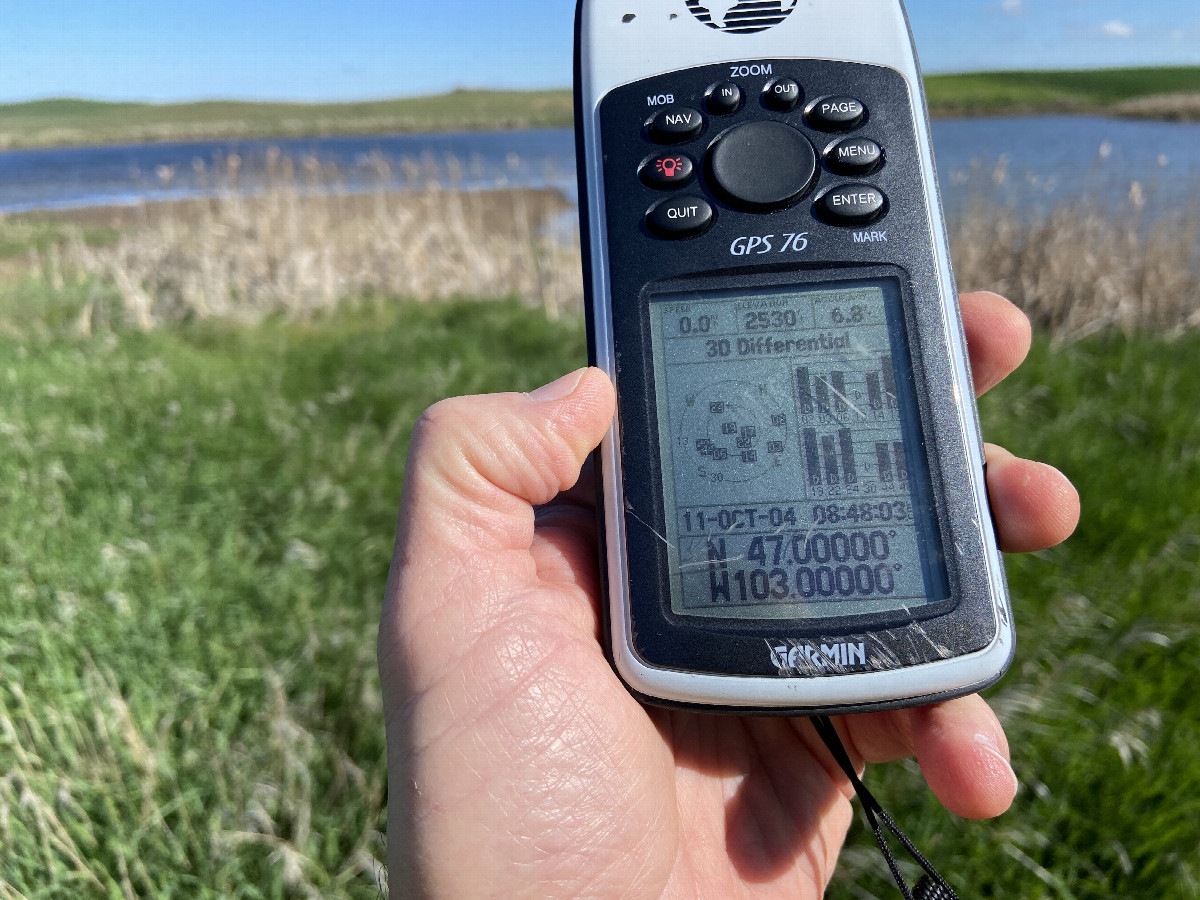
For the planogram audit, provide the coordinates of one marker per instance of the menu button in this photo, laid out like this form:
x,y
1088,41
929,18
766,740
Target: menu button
x,y
854,156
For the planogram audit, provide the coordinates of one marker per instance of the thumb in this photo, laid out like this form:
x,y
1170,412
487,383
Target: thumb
x,y
478,465
462,574
476,468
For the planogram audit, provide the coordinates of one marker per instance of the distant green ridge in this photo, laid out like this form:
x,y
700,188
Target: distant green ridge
x,y
1167,92
1101,90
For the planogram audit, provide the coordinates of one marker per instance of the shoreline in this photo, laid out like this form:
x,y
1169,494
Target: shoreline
x,y
493,205
1183,109
1170,93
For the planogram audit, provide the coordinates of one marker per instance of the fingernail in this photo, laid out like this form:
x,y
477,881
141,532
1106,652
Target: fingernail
x,y
558,388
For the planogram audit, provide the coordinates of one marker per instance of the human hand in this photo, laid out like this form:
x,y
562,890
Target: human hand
x,y
518,763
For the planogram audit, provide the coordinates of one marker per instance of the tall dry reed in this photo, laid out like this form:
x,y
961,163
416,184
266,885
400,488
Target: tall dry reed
x,y
301,243
1087,264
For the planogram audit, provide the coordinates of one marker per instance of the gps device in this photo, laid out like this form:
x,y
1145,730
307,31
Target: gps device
x,y
794,510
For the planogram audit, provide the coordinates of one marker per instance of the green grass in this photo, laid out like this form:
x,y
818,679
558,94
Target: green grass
x,y
195,527
20,236
70,121
1053,91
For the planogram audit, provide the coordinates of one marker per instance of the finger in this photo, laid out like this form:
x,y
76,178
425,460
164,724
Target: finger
x,y
964,757
564,546
1035,506
998,337
959,745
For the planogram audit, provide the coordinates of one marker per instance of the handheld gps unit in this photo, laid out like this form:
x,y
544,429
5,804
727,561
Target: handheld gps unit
x,y
794,510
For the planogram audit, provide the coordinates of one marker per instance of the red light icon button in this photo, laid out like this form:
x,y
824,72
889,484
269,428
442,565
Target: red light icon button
x,y
666,170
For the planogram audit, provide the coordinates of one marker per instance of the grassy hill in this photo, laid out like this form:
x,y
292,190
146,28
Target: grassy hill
x,y
1106,90
1169,92
70,122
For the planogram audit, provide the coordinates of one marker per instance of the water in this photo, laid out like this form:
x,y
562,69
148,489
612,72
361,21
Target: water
x,y
68,177
1038,162
1032,162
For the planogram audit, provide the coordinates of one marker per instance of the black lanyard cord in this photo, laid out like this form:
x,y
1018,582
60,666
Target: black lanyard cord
x,y
931,886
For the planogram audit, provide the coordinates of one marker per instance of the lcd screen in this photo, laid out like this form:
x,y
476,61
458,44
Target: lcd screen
x,y
795,480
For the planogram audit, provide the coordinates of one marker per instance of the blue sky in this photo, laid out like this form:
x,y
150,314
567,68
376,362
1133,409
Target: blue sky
x,y
331,50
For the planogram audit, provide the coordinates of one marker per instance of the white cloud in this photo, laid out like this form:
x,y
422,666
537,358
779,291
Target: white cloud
x,y
1116,29
1012,7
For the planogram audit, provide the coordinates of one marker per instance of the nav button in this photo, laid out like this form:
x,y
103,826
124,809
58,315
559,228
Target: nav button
x,y
679,217
675,124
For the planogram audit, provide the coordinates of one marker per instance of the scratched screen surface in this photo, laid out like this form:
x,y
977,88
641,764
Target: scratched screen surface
x,y
789,486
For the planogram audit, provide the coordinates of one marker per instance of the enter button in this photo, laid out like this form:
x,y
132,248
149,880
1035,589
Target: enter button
x,y
852,204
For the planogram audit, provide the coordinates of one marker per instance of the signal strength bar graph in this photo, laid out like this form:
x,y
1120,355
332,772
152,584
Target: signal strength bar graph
x,y
829,458
848,427
881,386
885,455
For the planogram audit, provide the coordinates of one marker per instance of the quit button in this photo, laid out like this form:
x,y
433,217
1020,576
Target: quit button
x,y
679,217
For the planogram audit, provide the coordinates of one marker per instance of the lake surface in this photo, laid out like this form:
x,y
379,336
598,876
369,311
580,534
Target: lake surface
x,y
1035,162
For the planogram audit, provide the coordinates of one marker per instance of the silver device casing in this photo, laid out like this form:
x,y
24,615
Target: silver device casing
x,y
622,43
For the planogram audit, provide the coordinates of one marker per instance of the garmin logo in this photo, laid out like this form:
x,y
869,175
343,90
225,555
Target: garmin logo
x,y
741,16
802,658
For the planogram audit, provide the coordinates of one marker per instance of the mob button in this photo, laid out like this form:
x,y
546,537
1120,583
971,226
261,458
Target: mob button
x,y
679,217
852,204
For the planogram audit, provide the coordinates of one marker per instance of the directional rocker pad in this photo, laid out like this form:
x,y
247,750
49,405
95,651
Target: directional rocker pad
x,y
760,166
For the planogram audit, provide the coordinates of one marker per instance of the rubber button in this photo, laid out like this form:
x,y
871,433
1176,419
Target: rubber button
x,y
679,217
666,170
835,113
723,99
854,156
675,124
781,94
762,165
852,204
